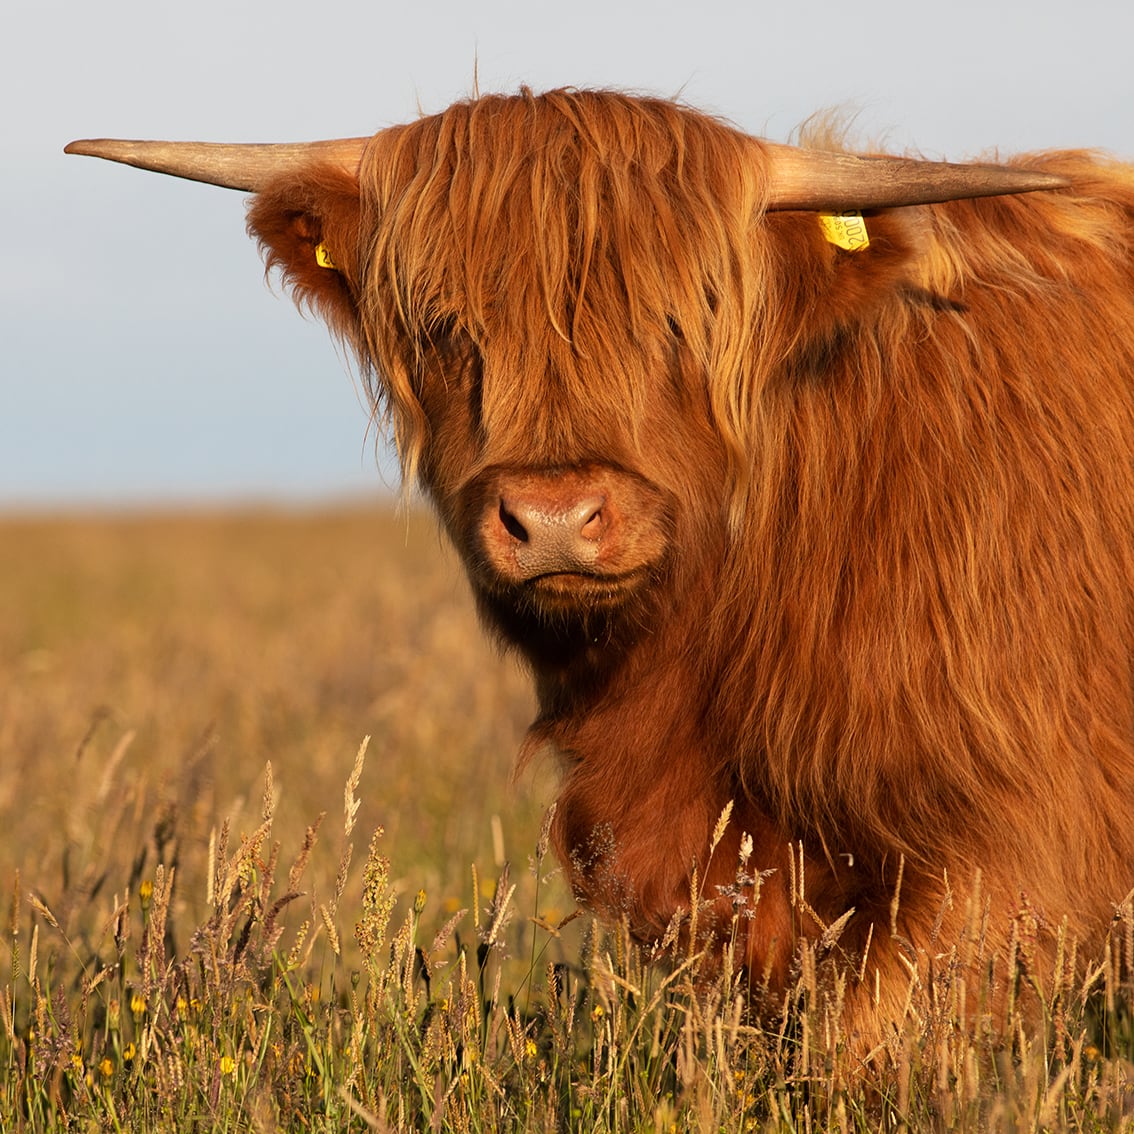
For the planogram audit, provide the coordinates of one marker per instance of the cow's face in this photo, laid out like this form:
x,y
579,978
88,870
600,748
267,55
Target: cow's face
x,y
579,341
546,367
568,481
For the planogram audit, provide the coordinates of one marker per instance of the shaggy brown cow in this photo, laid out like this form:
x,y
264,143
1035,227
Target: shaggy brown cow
x,y
843,534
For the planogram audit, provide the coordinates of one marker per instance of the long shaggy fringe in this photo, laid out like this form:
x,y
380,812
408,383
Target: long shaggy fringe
x,y
553,231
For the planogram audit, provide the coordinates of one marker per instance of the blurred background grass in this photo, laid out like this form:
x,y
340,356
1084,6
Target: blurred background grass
x,y
151,665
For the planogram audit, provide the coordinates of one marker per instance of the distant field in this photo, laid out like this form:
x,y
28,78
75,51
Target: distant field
x,y
152,667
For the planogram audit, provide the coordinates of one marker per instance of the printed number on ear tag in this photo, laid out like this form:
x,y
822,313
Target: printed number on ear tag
x,y
845,230
323,257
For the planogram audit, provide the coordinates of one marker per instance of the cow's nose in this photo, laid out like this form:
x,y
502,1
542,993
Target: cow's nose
x,y
552,535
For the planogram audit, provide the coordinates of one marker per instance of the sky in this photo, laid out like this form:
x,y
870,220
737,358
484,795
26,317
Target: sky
x,y
145,361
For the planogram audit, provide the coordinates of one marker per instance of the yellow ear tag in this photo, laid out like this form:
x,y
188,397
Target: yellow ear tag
x,y
845,230
323,257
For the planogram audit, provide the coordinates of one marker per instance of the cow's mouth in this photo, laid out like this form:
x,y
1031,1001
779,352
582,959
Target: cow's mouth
x,y
580,592
567,595
561,615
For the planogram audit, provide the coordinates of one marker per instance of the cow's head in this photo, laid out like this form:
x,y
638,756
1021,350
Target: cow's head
x,y
571,306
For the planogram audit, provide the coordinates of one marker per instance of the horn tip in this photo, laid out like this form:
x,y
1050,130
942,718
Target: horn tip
x,y
114,149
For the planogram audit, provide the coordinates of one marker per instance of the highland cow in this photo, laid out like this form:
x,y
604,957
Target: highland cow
x,y
801,480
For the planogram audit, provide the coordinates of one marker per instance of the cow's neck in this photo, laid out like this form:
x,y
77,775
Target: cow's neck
x,y
631,742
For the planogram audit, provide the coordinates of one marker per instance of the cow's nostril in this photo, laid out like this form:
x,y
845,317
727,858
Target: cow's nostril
x,y
511,524
593,521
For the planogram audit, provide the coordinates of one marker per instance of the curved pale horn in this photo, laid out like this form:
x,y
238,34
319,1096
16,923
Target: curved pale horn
x,y
247,167
815,180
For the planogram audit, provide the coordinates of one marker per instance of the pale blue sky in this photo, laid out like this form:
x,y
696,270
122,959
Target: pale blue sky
x,y
142,357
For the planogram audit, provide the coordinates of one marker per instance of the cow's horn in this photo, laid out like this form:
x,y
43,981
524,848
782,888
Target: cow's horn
x,y
231,165
833,182
802,179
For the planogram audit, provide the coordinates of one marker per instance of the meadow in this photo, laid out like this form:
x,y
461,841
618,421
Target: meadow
x,y
267,867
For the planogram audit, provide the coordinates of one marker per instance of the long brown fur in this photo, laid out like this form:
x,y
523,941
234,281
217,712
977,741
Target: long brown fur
x,y
893,616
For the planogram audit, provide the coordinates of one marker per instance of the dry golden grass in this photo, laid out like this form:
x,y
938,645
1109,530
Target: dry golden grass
x,y
150,667
181,955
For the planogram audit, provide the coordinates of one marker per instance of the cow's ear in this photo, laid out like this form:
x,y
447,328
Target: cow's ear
x,y
307,225
838,273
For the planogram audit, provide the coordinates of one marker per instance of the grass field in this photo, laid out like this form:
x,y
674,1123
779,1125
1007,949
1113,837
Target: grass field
x,y
190,947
